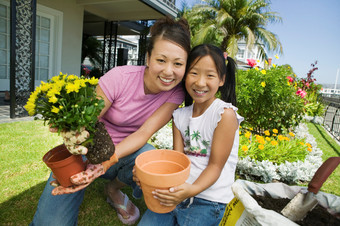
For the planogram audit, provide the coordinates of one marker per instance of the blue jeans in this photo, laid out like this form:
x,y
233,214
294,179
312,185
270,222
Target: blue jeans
x,y
63,209
189,212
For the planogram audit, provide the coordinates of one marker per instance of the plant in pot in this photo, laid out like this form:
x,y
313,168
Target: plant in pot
x,y
70,104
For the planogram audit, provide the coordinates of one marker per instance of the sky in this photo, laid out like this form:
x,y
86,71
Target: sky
x,y
309,32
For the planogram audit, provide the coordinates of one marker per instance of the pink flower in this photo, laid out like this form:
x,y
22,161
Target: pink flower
x,y
301,93
290,79
307,84
225,54
251,62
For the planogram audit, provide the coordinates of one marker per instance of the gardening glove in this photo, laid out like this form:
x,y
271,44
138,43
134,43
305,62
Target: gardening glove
x,y
83,179
73,139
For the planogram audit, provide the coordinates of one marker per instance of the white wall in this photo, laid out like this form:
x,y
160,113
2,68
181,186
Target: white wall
x,y
72,31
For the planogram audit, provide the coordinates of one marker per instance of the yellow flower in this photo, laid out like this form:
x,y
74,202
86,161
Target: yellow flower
x,y
93,81
256,68
291,134
266,62
275,131
61,107
70,87
245,148
55,110
263,72
251,129
53,99
30,107
240,127
260,139
274,142
72,77
261,146
309,145
247,134
274,65
267,133
280,137
309,149
258,61
44,86
276,56
263,84
267,139
302,143
53,91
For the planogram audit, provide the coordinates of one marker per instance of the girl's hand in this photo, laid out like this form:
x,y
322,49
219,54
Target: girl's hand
x,y
174,195
134,177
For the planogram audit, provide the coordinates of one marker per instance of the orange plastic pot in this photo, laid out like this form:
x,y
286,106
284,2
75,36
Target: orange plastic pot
x,y
63,164
161,169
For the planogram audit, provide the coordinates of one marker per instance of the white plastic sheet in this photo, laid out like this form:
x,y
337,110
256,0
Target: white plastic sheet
x,y
249,212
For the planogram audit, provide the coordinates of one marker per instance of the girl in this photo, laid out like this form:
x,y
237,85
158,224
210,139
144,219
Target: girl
x,y
139,100
206,131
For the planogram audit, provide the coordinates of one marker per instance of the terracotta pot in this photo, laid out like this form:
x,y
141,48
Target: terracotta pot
x,y
63,164
161,169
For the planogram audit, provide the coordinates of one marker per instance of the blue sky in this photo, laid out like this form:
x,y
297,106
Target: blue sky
x,y
310,31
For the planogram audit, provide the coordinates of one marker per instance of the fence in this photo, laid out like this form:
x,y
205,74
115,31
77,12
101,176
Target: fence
x,y
332,115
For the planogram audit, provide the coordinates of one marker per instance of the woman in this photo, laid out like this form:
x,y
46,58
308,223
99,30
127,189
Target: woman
x,y
139,100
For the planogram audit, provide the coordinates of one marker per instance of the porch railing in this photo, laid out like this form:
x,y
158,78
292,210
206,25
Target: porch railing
x,y
332,115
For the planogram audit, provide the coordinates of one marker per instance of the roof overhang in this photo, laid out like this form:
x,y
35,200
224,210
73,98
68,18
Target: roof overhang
x,y
123,11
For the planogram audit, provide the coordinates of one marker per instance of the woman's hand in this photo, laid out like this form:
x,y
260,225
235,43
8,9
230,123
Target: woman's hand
x,y
80,180
174,195
73,140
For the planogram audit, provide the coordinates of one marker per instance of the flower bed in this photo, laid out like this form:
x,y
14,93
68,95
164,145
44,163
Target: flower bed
x,y
265,170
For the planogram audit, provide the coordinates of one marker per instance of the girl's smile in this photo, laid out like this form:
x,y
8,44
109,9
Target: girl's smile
x,y
203,81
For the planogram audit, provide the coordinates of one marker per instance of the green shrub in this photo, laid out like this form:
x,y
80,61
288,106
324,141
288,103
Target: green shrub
x,y
267,100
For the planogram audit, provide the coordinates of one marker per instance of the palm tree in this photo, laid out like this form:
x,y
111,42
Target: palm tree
x,y
92,48
225,22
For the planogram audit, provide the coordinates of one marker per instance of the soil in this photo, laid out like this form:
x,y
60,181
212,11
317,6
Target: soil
x,y
102,147
318,216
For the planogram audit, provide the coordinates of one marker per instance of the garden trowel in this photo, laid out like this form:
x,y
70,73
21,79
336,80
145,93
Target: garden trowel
x,y
299,206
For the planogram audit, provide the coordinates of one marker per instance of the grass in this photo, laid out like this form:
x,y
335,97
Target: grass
x,y
330,148
23,175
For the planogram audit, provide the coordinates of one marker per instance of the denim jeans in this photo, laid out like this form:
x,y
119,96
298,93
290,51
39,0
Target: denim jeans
x,y
191,212
63,209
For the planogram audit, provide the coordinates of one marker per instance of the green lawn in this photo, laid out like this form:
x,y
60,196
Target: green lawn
x,y
23,175
330,148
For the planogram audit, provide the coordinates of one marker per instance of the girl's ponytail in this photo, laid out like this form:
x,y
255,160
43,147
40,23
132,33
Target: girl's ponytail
x,y
228,90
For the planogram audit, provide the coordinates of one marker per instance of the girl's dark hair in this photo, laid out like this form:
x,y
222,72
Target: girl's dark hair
x,y
171,30
224,67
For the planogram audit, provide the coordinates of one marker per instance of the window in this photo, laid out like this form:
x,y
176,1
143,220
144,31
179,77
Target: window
x,y
4,41
48,43
42,49
240,54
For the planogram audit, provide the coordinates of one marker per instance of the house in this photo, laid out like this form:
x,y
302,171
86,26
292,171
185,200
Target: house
x,y
46,37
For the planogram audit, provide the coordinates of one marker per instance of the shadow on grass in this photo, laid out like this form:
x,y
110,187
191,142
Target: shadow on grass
x,y
322,133
20,209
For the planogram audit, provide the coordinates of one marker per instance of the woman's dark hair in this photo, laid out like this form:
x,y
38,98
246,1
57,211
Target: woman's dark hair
x,y
171,30
224,67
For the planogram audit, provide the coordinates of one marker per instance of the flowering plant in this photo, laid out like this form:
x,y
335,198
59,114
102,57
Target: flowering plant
x,y
267,100
259,166
67,102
